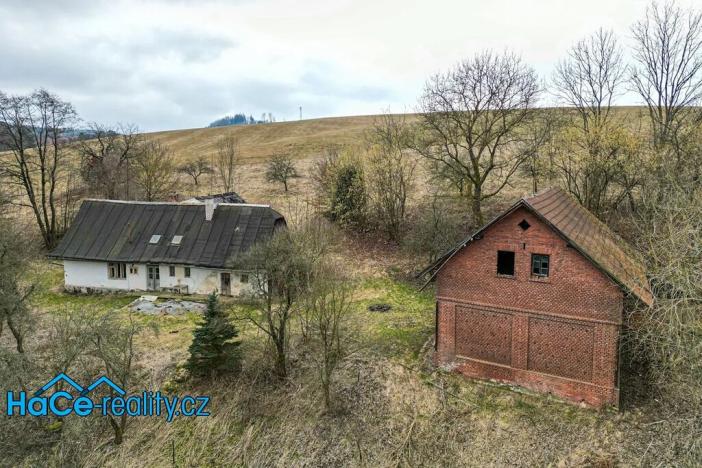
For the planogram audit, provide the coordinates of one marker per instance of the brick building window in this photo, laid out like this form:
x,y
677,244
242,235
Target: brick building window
x,y
505,263
539,264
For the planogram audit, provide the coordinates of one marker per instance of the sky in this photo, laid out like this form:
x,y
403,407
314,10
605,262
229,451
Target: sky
x,y
183,63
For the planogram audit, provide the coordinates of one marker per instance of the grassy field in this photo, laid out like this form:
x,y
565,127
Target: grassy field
x,y
305,141
301,139
392,407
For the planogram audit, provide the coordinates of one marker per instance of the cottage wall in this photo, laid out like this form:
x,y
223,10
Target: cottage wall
x,y
557,334
81,275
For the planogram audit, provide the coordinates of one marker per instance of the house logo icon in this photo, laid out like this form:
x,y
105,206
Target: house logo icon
x,y
82,391
59,378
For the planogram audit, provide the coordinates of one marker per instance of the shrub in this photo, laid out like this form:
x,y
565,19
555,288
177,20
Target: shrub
x,y
213,350
349,200
436,227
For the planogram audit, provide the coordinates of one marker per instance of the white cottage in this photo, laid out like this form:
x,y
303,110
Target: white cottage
x,y
176,247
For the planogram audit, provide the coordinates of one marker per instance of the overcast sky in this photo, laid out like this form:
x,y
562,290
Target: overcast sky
x,y
181,64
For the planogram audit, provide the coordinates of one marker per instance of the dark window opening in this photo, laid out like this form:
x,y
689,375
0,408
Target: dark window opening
x,y
505,263
540,264
524,225
171,270
244,278
186,272
117,270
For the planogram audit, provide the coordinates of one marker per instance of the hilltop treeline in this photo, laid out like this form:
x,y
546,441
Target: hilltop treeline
x,y
241,119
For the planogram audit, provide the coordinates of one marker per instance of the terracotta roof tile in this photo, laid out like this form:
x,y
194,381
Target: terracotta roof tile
x,y
584,232
593,239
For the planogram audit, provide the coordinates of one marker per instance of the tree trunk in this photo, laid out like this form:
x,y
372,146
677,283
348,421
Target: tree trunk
x,y
476,205
118,429
19,339
280,360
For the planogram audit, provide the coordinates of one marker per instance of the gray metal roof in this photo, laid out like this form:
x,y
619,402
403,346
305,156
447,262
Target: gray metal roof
x,y
108,230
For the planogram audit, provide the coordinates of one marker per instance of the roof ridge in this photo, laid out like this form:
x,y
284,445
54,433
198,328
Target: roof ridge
x,y
142,202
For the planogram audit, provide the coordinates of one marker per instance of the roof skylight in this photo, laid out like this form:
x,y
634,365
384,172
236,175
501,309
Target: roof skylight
x,y
155,239
176,240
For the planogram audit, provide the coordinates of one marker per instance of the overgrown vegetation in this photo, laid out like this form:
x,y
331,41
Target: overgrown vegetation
x,y
422,183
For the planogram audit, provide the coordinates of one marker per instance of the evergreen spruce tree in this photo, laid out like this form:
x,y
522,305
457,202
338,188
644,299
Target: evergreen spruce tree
x,y
214,349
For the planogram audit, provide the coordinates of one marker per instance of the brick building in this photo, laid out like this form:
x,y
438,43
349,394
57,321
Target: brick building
x,y
535,298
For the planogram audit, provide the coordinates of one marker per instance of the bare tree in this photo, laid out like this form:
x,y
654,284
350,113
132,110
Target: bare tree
x,y
154,171
284,271
471,118
196,168
540,145
391,171
281,169
668,70
327,307
113,342
226,160
13,295
32,128
590,157
590,79
106,155
437,225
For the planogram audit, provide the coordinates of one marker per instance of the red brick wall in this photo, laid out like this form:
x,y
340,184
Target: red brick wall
x,y
557,334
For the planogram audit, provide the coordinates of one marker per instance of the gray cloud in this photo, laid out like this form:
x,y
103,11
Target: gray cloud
x,y
162,76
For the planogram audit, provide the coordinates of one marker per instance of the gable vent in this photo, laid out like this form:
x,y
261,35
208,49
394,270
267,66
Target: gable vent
x,y
524,225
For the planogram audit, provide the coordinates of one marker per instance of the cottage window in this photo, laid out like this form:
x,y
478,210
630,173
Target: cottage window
x,y
171,270
244,278
540,264
117,270
505,263
186,272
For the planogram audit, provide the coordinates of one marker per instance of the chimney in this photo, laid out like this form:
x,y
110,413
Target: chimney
x,y
210,206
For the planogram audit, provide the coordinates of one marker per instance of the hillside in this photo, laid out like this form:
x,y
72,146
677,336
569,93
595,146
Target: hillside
x,y
302,138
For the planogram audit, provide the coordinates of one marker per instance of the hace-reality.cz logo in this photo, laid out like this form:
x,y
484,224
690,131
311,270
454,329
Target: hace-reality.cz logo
x,y
62,403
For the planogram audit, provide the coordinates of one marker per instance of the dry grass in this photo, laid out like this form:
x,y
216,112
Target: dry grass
x,y
392,408
300,139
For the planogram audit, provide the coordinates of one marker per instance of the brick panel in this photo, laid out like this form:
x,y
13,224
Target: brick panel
x,y
484,335
563,349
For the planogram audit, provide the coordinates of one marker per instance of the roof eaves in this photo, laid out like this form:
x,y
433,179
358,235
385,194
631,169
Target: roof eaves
x,y
648,299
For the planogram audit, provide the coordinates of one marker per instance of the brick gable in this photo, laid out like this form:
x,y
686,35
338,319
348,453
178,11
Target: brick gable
x,y
556,334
